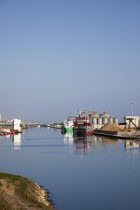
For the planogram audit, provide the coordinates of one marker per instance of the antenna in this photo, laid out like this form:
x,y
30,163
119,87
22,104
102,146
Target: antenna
x,y
131,104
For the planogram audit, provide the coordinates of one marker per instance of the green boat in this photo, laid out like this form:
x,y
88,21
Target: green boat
x,y
67,127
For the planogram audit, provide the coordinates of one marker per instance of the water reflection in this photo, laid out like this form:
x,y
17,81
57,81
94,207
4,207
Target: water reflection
x,y
93,141
133,147
107,165
16,141
68,138
88,144
131,144
7,136
108,141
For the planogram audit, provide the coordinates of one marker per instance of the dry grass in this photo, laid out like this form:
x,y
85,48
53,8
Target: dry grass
x,y
18,192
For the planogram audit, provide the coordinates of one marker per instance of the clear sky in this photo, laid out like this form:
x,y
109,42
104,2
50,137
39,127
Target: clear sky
x,y
58,56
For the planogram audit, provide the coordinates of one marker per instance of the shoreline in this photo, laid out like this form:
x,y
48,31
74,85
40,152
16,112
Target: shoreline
x,y
18,192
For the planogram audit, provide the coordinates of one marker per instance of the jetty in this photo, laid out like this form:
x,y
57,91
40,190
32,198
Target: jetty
x,y
115,130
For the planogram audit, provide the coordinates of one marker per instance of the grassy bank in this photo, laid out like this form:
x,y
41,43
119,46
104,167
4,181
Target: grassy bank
x,y
17,192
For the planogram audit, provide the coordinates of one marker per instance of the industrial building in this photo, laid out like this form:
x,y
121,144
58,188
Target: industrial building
x,y
98,119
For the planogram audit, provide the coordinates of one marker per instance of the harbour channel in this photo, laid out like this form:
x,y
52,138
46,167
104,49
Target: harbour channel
x,y
80,173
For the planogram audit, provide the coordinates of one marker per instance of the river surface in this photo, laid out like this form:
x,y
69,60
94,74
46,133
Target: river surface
x,y
94,173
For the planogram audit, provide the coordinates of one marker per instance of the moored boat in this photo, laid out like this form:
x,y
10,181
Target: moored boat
x,y
82,127
67,127
8,132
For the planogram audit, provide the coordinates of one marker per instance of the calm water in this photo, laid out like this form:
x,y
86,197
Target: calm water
x,y
81,174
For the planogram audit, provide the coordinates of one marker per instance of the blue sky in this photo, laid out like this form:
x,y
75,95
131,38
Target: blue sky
x,y
58,56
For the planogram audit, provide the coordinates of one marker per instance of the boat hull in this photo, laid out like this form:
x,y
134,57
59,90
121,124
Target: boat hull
x,y
10,133
67,129
83,131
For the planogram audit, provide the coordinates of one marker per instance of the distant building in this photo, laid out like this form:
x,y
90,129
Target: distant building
x,y
132,121
16,124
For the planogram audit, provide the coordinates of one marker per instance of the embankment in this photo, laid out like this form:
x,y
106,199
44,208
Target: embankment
x,y
17,192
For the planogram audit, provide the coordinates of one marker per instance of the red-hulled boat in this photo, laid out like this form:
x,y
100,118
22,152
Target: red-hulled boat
x,y
10,133
82,127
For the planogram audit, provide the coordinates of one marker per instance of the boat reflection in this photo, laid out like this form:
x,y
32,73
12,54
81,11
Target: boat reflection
x,y
68,138
94,140
16,140
89,143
